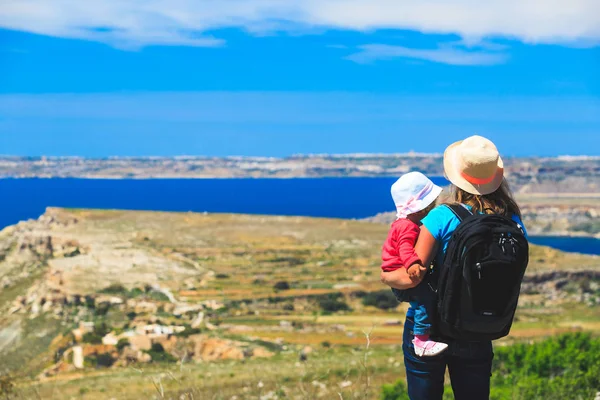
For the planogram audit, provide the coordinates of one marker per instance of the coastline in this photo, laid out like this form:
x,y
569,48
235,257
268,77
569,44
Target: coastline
x,y
565,234
545,214
562,234
184,177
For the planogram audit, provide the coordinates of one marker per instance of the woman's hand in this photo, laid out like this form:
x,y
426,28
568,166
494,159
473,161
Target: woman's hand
x,y
399,279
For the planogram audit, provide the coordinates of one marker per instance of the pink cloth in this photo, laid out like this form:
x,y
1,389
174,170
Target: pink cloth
x,y
413,204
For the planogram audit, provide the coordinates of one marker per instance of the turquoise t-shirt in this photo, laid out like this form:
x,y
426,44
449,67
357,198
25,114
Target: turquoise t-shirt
x,y
442,223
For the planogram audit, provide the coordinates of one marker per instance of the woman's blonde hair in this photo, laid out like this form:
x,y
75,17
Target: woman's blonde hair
x,y
499,202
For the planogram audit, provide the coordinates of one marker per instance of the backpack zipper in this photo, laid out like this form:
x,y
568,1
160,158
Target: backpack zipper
x,y
501,242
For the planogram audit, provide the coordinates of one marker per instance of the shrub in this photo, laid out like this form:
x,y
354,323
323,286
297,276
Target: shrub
x,y
188,331
562,367
276,299
122,343
358,294
399,391
104,360
92,338
332,303
102,309
383,299
74,253
158,354
7,385
135,292
101,328
395,391
282,285
90,302
291,261
157,296
95,336
297,325
115,288
157,348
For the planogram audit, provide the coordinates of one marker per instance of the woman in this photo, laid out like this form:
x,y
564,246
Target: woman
x,y
476,173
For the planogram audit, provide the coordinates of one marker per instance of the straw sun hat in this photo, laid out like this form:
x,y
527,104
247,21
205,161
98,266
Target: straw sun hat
x,y
474,165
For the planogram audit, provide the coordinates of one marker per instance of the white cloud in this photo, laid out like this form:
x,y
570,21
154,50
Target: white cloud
x,y
136,23
445,55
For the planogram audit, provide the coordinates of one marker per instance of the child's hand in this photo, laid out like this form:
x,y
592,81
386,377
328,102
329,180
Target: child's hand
x,y
416,272
413,271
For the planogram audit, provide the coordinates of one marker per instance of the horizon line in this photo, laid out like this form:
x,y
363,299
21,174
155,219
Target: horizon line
x,y
410,154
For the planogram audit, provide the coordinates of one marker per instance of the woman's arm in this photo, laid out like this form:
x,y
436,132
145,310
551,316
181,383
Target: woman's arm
x,y
424,248
398,279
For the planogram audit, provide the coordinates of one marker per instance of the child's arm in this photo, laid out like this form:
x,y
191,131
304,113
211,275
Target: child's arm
x,y
407,238
400,279
389,253
398,249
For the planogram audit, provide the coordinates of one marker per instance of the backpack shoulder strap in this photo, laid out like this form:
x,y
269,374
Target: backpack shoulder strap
x,y
460,211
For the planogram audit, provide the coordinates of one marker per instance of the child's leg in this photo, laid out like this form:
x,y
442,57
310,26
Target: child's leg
x,y
423,306
422,301
422,320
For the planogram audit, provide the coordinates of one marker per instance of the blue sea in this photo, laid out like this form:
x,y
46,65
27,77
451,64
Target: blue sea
x,y
22,199
586,245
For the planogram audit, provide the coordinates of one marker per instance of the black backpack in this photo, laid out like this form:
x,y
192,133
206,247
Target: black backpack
x,y
479,281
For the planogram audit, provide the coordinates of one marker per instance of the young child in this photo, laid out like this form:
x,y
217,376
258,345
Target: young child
x,y
414,195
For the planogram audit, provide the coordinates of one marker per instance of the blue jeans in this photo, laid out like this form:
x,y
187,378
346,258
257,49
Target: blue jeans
x,y
422,300
469,364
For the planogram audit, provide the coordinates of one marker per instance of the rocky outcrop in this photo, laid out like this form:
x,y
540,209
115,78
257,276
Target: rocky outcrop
x,y
581,286
205,348
561,276
545,219
562,220
130,356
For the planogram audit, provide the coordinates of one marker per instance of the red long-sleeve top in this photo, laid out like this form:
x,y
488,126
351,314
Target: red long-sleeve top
x,y
399,247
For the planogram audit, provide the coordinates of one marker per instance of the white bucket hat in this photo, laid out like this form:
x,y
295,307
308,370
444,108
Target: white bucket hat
x,y
474,165
413,192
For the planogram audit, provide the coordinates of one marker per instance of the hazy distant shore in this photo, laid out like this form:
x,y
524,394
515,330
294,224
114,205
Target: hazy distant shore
x,y
555,176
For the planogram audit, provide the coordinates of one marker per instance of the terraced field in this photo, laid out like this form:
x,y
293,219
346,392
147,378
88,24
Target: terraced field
x,y
304,290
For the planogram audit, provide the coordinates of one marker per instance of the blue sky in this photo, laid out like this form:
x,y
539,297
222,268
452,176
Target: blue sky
x,y
261,78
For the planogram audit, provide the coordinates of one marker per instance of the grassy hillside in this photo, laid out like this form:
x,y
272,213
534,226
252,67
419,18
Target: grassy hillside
x,y
289,305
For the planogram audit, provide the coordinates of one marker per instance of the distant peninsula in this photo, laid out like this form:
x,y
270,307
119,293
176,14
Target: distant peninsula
x,y
566,175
